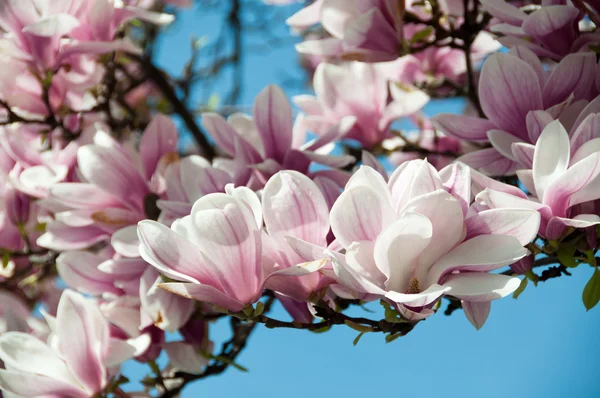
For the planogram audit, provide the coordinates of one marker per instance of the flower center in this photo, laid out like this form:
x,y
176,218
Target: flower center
x,y
414,287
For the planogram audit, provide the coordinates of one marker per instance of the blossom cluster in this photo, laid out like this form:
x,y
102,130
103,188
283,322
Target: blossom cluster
x,y
112,238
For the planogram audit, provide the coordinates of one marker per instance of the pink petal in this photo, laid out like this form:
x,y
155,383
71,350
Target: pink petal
x,y
360,213
30,385
464,127
587,130
481,287
504,11
79,270
204,293
294,206
398,249
502,142
457,181
83,335
482,253
489,161
125,241
523,224
220,131
26,354
476,312
112,172
60,237
413,179
536,123
82,196
509,88
171,253
159,138
273,117
575,74
225,230
523,154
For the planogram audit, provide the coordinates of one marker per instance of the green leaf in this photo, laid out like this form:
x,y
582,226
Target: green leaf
x,y
566,256
322,330
521,288
358,327
260,308
391,337
357,338
591,292
421,35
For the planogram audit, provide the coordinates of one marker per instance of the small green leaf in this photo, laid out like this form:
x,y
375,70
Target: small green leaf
x,y
40,227
566,256
591,292
521,288
260,308
322,330
358,327
421,35
357,338
391,337
248,311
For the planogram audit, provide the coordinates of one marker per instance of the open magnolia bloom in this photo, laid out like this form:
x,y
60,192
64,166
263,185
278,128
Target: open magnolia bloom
x,y
216,252
412,240
78,360
565,186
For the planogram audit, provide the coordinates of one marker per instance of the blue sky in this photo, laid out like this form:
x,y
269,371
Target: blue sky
x,y
542,345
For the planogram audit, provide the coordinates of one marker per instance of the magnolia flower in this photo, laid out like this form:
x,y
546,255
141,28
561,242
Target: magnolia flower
x,y
356,95
78,360
215,251
268,142
411,240
563,184
118,190
36,170
520,99
434,65
550,31
366,30
38,29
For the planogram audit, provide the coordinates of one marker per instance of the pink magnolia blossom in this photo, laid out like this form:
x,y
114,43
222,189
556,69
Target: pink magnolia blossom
x,y
78,361
217,251
564,185
38,29
117,189
412,240
519,98
434,65
37,169
550,31
356,95
369,30
268,142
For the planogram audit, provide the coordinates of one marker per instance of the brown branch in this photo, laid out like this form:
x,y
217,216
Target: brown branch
x,y
158,77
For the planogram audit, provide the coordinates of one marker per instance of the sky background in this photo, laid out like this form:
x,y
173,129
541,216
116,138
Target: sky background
x,y
543,345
